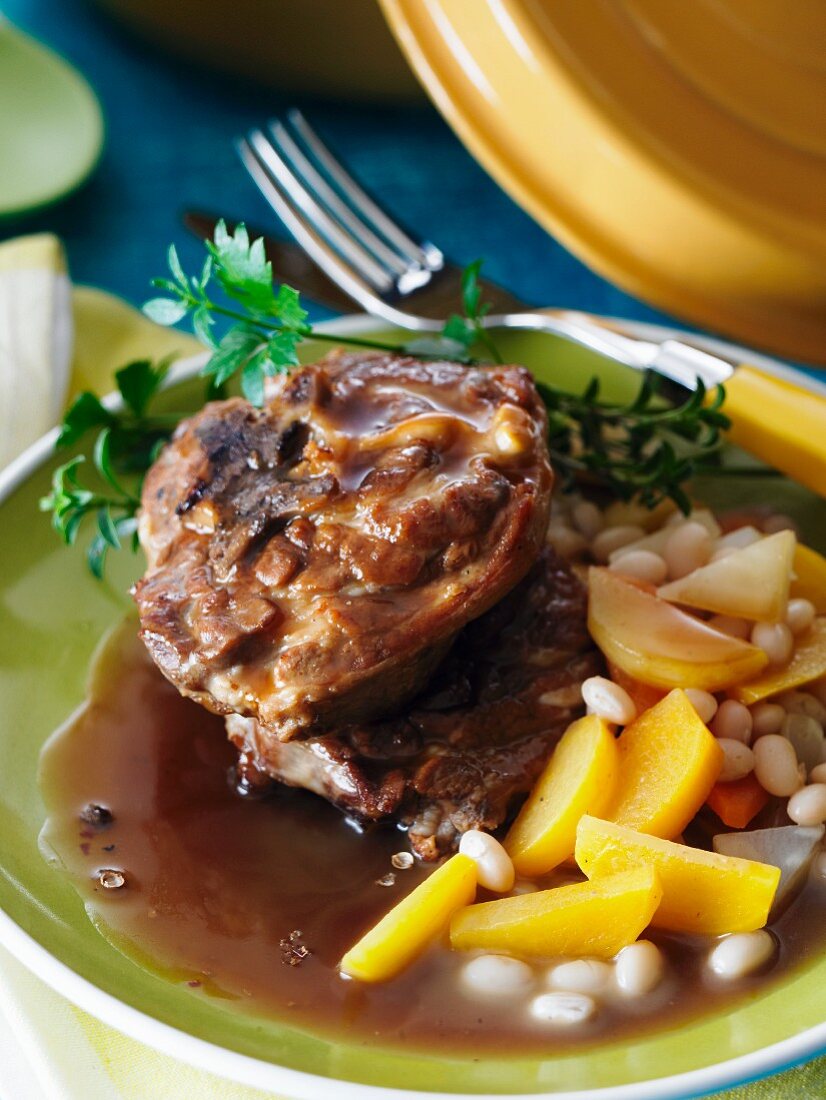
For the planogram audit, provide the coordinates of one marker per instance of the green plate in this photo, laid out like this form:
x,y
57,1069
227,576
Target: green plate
x,y
51,127
53,613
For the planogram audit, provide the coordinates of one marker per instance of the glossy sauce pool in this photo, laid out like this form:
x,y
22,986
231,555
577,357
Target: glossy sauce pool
x,y
254,901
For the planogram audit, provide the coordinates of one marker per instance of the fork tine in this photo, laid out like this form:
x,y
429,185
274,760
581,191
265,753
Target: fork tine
x,y
424,253
304,231
318,186
358,259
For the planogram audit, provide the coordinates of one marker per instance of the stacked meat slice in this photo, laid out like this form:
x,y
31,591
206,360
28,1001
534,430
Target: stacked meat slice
x,y
311,563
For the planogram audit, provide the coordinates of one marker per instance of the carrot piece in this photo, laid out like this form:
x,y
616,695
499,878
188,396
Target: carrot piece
x,y
644,696
737,803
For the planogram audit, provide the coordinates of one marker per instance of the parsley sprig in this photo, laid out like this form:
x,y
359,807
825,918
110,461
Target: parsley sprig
x,y
127,443
269,323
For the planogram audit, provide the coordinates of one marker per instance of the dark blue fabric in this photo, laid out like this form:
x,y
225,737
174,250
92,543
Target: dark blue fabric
x,y
169,147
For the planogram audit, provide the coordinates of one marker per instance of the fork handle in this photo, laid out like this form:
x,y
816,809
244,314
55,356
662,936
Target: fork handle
x,y
779,422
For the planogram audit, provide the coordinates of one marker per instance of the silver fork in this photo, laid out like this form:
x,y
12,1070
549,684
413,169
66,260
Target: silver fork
x,y
409,282
406,280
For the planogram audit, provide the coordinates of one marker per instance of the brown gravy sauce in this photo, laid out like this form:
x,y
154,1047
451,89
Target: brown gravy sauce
x,y
222,894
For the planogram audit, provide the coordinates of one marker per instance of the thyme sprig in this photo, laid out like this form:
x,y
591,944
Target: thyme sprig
x,y
644,449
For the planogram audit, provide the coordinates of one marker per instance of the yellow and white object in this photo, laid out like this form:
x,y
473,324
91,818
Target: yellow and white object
x,y
36,339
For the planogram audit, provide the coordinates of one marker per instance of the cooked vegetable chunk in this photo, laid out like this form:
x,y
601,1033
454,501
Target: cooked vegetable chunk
x,y
659,644
411,925
702,891
668,763
580,778
789,847
809,577
808,663
588,918
750,583
738,802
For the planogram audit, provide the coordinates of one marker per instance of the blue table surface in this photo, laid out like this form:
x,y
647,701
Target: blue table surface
x,y
169,147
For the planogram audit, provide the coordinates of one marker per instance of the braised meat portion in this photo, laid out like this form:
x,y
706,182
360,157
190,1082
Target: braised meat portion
x,y
473,741
311,561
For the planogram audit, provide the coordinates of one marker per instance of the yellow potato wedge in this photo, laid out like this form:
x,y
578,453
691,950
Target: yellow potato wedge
x,y
809,581
410,926
808,663
659,644
702,891
668,763
580,778
588,918
750,583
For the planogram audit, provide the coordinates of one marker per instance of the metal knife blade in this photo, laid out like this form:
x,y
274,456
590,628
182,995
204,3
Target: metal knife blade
x,y
291,264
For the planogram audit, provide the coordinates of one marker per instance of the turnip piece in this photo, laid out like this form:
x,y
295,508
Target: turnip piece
x,y
789,847
750,583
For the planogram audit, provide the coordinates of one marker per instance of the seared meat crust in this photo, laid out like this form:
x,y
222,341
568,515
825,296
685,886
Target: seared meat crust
x,y
474,740
310,562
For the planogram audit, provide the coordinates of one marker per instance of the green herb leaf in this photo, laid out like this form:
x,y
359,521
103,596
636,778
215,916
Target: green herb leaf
x,y
288,308
138,383
165,311
242,269
106,527
85,412
281,351
232,353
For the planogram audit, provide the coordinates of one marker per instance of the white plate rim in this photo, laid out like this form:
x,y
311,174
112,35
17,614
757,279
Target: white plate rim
x,y
296,1084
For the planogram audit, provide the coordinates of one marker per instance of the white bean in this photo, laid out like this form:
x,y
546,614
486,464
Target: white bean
x,y
738,760
639,968
800,614
703,702
580,976
775,765
818,774
608,700
803,702
643,565
588,519
524,886
563,1008
567,542
612,538
730,624
733,721
494,869
820,864
767,718
808,805
776,641
687,549
742,953
497,975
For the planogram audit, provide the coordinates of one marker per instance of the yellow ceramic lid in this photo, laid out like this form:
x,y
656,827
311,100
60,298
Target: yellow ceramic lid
x,y
678,148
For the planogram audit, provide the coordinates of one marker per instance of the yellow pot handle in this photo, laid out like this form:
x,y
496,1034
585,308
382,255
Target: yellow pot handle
x,y
779,422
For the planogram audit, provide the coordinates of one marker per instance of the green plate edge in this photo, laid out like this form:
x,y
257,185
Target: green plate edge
x,y
53,613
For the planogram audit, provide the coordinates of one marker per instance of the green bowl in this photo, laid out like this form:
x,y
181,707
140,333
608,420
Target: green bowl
x,y
52,615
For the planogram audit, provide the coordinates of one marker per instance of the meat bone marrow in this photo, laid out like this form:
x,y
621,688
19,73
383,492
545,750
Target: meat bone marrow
x,y
311,562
